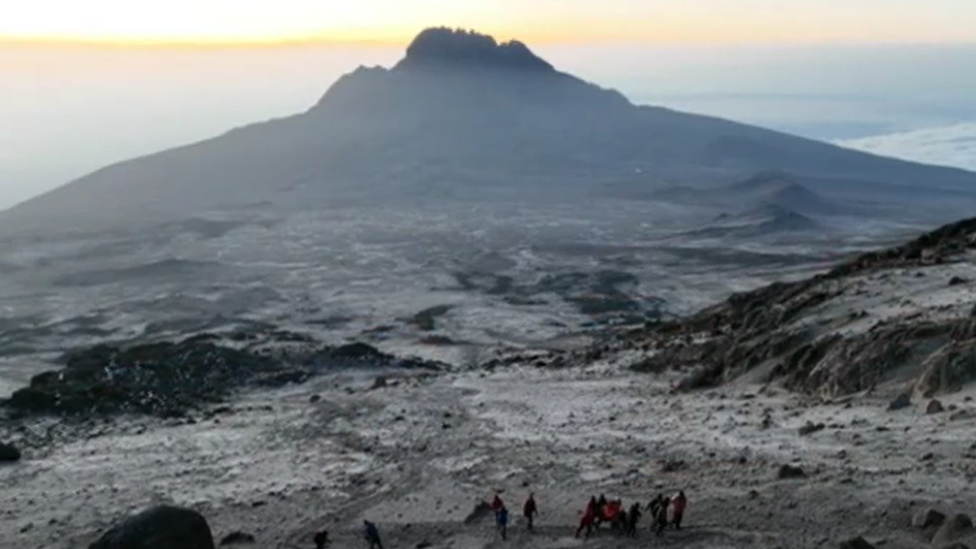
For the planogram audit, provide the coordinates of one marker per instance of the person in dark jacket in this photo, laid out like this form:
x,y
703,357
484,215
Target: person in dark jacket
x,y
530,510
321,539
661,518
372,535
633,516
501,520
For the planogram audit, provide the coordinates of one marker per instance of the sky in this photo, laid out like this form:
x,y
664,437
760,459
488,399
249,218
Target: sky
x,y
393,21
89,83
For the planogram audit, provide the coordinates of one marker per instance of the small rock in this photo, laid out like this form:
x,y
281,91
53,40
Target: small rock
x,y
856,543
314,398
235,538
790,472
9,453
934,407
424,545
811,428
957,281
673,465
928,457
928,517
902,401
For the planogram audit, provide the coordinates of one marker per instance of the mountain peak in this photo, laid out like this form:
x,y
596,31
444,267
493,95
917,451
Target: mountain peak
x,y
443,47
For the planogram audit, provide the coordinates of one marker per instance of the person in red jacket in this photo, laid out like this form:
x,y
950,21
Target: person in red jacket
x,y
530,510
678,505
586,522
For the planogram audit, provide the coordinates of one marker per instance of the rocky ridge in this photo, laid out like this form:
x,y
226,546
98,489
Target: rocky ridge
x,y
904,315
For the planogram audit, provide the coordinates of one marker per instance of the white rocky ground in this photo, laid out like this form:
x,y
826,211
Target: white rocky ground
x,y
416,455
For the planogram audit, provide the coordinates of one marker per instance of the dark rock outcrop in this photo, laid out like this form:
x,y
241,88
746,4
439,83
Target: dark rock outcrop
x,y
167,379
9,453
954,528
162,527
159,379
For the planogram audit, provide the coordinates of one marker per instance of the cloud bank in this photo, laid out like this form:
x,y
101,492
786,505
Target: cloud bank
x,y
947,146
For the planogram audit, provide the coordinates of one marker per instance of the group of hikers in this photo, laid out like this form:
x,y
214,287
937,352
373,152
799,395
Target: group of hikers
x,y
664,511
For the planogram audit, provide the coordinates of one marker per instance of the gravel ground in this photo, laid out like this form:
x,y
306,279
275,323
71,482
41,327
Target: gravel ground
x,y
416,455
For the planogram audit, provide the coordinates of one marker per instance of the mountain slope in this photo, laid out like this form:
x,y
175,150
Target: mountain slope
x,y
902,318
460,116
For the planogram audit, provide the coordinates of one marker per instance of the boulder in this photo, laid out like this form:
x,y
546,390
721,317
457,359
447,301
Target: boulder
x,y
902,401
934,407
927,518
957,281
9,453
790,472
162,527
955,527
856,543
236,538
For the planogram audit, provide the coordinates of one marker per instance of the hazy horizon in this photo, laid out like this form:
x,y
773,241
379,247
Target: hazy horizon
x,y
66,111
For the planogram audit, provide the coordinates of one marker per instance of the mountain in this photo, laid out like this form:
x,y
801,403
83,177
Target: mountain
x,y
461,117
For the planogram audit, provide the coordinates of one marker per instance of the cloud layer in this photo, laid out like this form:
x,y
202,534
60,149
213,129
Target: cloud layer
x,y
948,146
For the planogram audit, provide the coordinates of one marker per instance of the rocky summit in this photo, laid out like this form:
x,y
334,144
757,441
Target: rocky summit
x,y
458,49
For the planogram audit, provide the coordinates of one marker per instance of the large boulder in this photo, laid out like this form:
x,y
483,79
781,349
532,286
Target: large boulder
x,y
955,527
8,453
162,527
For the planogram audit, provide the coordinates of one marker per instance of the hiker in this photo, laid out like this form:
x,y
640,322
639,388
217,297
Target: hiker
x,y
654,505
496,504
586,521
678,505
372,535
661,518
530,510
321,539
501,520
630,527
